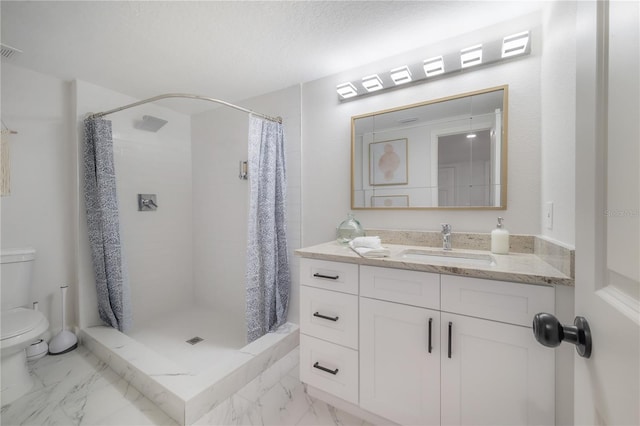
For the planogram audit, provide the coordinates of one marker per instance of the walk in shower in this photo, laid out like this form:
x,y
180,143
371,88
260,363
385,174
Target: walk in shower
x,y
184,255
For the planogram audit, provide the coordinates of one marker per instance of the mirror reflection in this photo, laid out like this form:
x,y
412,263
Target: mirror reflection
x,y
446,153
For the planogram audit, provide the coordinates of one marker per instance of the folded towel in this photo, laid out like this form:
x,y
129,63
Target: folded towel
x,y
371,252
369,247
366,242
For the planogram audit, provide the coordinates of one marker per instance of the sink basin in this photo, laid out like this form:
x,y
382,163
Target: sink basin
x,y
449,257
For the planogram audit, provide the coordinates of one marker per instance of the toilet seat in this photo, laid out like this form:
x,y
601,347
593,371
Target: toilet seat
x,y
21,324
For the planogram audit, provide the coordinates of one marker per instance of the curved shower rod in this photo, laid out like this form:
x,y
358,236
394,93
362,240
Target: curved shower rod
x,y
187,96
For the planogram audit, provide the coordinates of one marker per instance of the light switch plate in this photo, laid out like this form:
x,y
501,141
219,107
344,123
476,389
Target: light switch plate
x,y
548,215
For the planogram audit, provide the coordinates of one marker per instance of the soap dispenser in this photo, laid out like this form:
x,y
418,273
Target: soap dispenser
x,y
500,239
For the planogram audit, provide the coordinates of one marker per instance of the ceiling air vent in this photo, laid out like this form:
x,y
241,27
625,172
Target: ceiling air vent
x,y
8,51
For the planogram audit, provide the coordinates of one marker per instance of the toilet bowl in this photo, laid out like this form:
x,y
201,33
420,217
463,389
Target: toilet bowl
x,y
19,327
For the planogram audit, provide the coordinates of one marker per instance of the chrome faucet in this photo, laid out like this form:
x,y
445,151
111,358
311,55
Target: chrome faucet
x,y
446,236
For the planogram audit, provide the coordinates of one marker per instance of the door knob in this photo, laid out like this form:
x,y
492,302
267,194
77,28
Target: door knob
x,y
549,332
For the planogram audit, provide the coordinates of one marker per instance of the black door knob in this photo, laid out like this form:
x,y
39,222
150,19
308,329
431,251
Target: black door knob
x,y
549,332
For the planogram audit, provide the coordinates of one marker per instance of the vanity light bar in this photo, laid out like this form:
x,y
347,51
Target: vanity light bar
x,y
489,52
515,44
471,56
401,75
372,83
433,66
346,90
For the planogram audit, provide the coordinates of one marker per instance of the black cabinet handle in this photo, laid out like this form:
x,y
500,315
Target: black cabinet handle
x,y
429,344
328,277
449,345
319,367
319,315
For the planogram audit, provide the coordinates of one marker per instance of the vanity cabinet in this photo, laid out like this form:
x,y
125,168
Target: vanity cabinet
x,y
400,344
399,367
493,370
432,349
494,374
329,327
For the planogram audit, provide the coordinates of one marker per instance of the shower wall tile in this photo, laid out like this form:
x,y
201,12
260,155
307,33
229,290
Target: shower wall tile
x,y
263,353
253,390
219,142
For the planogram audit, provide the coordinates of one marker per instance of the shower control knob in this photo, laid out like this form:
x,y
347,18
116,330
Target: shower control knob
x,y
549,332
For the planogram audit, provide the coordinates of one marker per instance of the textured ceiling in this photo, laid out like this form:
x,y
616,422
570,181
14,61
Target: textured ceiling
x,y
230,50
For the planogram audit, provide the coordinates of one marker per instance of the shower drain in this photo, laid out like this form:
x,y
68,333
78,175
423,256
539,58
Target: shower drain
x,y
195,340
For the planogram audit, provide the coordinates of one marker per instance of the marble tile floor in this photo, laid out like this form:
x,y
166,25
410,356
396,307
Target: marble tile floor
x,y
79,389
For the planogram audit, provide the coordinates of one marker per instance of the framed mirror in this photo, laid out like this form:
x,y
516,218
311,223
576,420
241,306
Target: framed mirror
x,y
448,153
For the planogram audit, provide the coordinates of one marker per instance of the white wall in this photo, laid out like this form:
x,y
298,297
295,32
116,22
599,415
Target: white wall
x,y
558,92
326,137
541,160
220,209
39,211
558,89
156,245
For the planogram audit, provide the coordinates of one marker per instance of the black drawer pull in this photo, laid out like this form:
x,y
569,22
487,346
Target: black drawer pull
x,y
319,367
430,347
317,314
329,277
449,349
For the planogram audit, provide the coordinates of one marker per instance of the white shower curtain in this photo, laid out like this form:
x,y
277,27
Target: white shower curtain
x,y
268,276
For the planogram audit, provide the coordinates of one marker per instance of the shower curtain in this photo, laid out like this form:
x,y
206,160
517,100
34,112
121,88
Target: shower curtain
x,y
268,276
101,202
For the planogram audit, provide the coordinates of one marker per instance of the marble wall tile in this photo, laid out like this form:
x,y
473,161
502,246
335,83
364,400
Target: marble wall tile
x,y
253,390
235,410
264,352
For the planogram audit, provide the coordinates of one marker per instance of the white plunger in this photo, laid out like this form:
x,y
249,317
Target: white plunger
x,y
65,341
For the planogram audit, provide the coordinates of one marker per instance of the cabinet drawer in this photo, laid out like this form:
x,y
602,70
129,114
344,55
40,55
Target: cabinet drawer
x,y
329,315
335,276
399,285
329,367
513,303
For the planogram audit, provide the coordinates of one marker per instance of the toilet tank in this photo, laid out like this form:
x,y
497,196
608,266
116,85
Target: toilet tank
x,y
16,276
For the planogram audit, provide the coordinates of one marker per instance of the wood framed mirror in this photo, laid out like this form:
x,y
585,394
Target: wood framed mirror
x,y
448,153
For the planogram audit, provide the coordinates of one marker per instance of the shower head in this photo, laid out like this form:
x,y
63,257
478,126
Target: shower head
x,y
150,123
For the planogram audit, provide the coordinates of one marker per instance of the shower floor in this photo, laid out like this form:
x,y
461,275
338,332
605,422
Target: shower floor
x,y
222,336
188,381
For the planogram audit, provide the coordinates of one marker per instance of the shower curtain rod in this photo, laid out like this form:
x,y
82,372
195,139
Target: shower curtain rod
x,y
187,96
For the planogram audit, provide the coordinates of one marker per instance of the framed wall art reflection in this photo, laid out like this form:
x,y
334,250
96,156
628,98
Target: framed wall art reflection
x,y
388,163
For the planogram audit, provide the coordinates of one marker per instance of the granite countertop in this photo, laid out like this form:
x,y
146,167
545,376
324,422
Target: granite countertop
x,y
516,267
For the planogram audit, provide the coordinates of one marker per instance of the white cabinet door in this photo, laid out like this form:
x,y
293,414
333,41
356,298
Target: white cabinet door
x,y
494,374
399,377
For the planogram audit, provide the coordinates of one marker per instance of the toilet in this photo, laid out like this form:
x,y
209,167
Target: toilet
x,y
21,325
